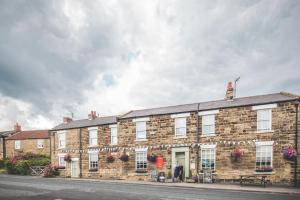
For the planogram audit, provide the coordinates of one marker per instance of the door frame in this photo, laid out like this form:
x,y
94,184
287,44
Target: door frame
x,y
186,151
71,166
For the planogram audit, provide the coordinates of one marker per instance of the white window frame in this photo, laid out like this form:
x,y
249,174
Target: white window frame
x,y
61,161
210,157
93,164
40,143
204,115
142,132
269,128
113,134
61,139
17,144
141,159
265,107
264,154
178,128
93,136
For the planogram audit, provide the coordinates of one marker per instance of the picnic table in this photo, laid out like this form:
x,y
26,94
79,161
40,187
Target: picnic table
x,y
252,179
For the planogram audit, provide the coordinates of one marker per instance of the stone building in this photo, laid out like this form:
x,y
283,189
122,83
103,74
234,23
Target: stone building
x,y
230,137
30,141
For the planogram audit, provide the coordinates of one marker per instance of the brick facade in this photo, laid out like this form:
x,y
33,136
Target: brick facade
x,y
235,126
26,146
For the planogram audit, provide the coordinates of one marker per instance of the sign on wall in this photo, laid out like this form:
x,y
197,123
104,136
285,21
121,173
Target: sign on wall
x,y
159,162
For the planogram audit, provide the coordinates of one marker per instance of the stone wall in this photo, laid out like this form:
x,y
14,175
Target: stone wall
x,y
27,146
231,124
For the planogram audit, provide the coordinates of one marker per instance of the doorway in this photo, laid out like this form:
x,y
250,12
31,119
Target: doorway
x,y
181,156
74,168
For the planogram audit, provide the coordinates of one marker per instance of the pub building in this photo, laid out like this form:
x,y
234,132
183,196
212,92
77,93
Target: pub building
x,y
217,141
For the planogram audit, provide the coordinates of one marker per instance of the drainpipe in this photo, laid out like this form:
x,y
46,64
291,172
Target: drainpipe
x,y
296,145
50,135
198,138
80,152
3,146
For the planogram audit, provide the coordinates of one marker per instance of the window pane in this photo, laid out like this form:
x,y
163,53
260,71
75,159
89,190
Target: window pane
x,y
208,159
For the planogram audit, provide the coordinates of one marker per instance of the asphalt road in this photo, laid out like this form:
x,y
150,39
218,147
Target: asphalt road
x,y
33,188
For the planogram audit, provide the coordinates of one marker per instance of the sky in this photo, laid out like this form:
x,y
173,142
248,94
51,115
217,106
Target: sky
x,y
62,57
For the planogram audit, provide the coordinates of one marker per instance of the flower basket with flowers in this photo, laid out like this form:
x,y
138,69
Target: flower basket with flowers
x,y
67,158
289,153
236,155
110,159
264,169
124,157
151,157
51,171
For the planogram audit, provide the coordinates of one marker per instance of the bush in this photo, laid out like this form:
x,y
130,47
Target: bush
x,y
51,171
21,164
22,167
2,164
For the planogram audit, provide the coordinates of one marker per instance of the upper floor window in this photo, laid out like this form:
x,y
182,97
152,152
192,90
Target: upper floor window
x,y
113,134
141,160
40,143
17,144
180,127
264,155
264,117
180,124
61,139
141,128
93,136
208,157
208,122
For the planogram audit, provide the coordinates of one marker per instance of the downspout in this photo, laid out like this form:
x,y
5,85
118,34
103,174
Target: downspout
x,y
4,147
50,135
198,138
80,152
296,146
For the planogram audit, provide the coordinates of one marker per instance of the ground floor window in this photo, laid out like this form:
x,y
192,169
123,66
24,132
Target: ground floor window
x,y
93,161
141,160
264,154
208,158
61,161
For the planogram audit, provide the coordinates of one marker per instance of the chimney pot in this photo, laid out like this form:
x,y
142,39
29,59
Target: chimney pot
x,y
17,127
92,115
229,92
67,120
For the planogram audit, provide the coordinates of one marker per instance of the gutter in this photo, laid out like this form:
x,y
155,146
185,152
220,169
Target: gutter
x,y
198,138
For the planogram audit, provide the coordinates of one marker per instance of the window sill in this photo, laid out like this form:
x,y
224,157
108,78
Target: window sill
x,y
60,148
182,137
272,172
93,146
141,140
208,135
265,131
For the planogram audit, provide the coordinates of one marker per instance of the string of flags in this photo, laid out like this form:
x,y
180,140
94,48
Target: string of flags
x,y
165,146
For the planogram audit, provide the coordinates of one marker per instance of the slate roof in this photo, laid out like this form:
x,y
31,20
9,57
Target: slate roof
x,y
86,123
33,134
6,133
209,105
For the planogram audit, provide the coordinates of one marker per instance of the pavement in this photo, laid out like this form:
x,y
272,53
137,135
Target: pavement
x,y
34,188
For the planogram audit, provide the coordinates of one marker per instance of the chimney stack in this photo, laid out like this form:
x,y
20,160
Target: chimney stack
x,y
229,92
67,120
92,115
17,127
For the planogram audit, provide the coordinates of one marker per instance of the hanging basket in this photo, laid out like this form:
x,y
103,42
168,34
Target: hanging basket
x,y
289,153
236,155
124,158
110,159
67,158
151,157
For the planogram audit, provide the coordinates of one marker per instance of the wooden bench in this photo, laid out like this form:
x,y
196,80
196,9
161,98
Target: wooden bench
x,y
252,179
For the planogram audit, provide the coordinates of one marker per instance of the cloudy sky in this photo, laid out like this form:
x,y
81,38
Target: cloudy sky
x,y
58,57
